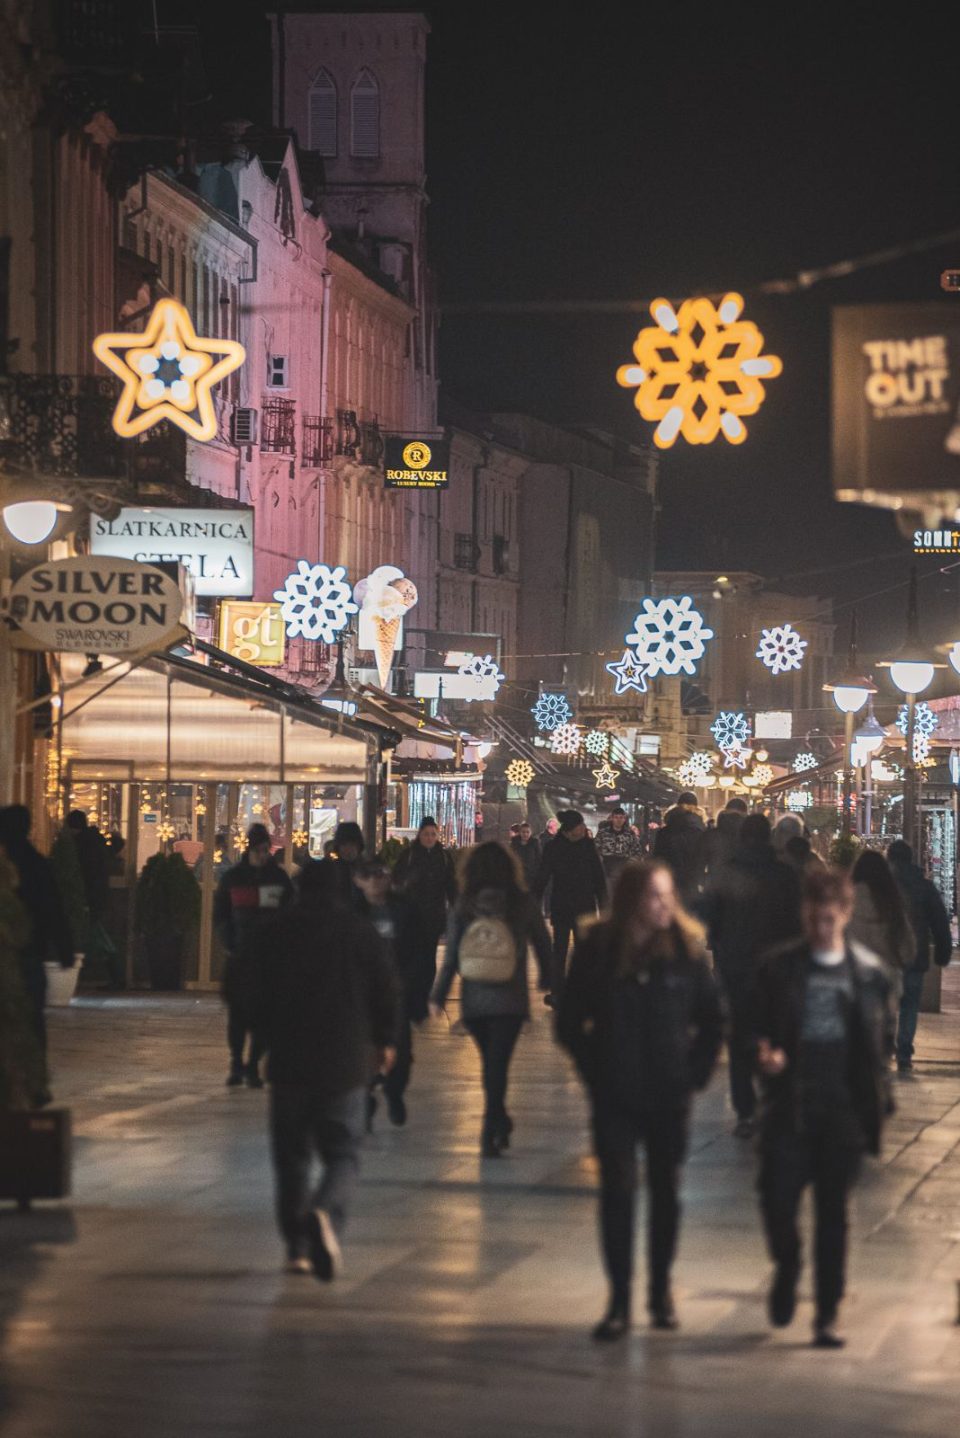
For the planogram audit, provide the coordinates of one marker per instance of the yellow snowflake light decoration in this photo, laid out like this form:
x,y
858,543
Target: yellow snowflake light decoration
x,y
299,837
698,371
520,772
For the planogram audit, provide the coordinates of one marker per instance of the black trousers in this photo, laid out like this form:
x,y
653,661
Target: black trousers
x,y
828,1157
740,1042
495,1036
616,1132
305,1125
239,1025
564,929
395,1083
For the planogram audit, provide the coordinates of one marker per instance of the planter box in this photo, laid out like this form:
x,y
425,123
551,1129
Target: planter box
x,y
62,983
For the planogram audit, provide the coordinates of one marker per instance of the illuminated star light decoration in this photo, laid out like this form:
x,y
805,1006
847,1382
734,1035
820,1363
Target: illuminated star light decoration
x,y
168,372
781,648
698,371
487,674
550,711
597,742
629,673
803,762
669,636
520,772
605,776
730,728
316,601
735,756
566,739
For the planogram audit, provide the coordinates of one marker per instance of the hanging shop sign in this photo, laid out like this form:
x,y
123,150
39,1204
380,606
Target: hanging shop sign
x,y
773,724
88,605
168,372
415,463
253,630
896,391
215,546
384,598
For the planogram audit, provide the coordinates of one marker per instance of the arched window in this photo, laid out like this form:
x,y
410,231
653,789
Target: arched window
x,y
323,115
365,117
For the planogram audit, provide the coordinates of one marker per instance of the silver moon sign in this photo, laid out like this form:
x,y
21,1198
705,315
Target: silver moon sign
x,y
94,604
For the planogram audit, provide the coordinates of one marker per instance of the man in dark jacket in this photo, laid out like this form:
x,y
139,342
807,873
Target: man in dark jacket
x,y
246,897
824,1026
681,843
396,919
424,872
342,861
92,856
571,867
721,842
751,904
528,851
617,844
330,1006
50,937
931,925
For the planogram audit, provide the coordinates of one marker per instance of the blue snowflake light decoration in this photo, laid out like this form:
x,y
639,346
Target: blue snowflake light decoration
x,y
924,720
550,711
730,728
669,636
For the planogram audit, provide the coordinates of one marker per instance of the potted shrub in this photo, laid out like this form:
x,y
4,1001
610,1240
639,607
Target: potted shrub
x,y
68,877
166,910
845,850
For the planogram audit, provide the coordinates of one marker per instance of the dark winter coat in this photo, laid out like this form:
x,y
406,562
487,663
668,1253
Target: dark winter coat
x,y
778,1000
49,936
615,849
412,960
245,900
927,913
479,1000
328,996
573,869
682,843
342,885
646,1039
751,904
529,854
427,876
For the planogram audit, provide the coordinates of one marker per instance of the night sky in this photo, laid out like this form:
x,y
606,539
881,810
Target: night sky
x,y
613,153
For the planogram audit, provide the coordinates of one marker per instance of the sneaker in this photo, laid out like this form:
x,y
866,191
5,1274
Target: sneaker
x,y
253,1077
298,1265
744,1128
615,1324
326,1258
782,1300
396,1110
235,1078
825,1335
663,1315
504,1130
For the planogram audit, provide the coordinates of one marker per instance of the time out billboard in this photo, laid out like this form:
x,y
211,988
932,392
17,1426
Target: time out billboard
x,y
896,401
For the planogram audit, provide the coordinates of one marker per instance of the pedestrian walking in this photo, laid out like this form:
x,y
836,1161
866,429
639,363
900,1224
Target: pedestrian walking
x,y
571,869
23,1080
798,852
221,860
824,1027
493,924
682,844
880,920
246,897
425,873
528,851
617,844
93,857
931,925
49,938
641,1016
396,919
751,904
342,861
721,842
329,1000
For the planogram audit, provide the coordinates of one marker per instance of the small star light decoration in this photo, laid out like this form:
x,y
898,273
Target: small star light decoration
x,y
168,372
781,648
669,636
735,756
520,772
698,371
550,711
803,762
565,739
628,673
606,777
486,672
316,601
730,728
597,742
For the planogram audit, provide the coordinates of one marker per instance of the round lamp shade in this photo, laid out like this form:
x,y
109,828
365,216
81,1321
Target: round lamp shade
x,y
912,676
31,521
850,697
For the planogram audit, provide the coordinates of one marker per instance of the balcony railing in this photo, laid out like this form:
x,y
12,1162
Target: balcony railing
x,y
60,425
317,440
371,443
278,427
360,440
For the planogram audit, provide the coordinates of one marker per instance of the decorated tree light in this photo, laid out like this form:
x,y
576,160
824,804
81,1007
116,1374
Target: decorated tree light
x,y
566,739
316,602
605,776
781,649
299,838
520,772
698,371
669,636
730,727
629,673
550,711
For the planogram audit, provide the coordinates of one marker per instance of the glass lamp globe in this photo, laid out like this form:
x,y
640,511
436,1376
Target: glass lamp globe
x,y
954,656
31,521
870,737
912,676
851,697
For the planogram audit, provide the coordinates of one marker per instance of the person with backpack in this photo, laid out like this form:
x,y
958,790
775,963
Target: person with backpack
x,y
492,924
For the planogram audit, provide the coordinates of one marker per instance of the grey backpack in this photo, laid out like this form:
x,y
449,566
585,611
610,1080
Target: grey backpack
x,y
488,951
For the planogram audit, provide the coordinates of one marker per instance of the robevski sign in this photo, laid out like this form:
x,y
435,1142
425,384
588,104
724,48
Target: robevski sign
x,y
215,546
415,463
92,605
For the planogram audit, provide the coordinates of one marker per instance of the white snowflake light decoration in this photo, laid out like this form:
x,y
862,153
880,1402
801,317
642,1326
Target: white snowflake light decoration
x,y
565,739
702,762
629,673
803,762
921,748
763,774
781,648
730,728
798,799
316,602
520,772
669,636
487,674
597,742
550,711
924,719
688,775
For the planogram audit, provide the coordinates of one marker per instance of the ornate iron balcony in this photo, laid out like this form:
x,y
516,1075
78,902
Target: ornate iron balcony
x,y
60,425
278,428
317,440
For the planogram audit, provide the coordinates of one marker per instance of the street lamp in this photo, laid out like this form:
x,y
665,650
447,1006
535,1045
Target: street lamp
x,y
850,691
912,669
32,521
867,741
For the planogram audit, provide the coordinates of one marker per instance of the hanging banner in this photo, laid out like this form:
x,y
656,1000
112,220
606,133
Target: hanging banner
x,y
415,463
91,605
896,392
215,546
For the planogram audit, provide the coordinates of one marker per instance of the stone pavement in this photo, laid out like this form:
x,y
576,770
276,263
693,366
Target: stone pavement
x,y
153,1304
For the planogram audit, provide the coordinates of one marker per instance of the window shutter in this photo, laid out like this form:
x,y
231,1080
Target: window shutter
x,y
365,117
323,116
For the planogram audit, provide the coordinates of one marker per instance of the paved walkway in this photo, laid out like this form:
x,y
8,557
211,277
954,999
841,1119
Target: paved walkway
x,y
153,1305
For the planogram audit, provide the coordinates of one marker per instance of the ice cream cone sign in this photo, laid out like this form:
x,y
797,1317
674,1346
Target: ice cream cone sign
x,y
384,598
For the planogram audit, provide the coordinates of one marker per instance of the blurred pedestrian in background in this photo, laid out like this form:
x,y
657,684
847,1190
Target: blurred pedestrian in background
x,y
572,871
49,938
343,859
617,844
528,851
425,873
931,926
879,920
682,844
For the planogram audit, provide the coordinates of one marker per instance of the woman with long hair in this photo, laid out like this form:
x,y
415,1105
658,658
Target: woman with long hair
x,y
880,921
641,1016
491,926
